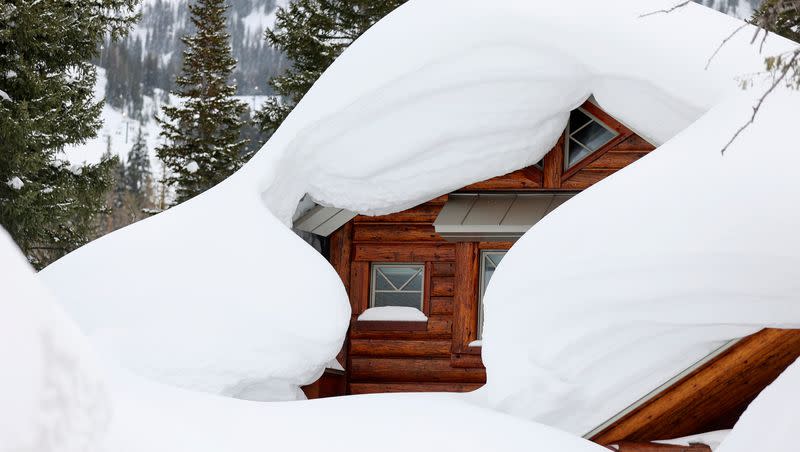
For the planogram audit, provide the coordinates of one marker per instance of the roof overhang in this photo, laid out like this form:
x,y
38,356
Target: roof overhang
x,y
495,217
322,220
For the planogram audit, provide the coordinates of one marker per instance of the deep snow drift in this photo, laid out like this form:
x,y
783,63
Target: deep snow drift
x,y
54,399
705,249
52,396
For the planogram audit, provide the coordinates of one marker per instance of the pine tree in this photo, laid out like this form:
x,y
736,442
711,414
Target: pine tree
x,y
46,103
312,33
203,132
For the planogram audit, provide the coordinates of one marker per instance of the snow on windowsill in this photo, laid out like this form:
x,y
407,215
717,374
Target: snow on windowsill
x,y
476,343
394,314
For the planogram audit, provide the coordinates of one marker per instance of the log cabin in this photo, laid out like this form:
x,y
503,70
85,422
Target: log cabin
x,y
416,280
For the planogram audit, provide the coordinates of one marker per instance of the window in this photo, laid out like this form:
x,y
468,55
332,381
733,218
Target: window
x,y
397,285
585,135
489,262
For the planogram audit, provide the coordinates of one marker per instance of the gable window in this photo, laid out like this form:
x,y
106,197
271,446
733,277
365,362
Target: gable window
x,y
397,285
585,135
490,259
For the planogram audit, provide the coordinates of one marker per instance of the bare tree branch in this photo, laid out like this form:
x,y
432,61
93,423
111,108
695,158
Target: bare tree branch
x,y
725,41
667,11
777,81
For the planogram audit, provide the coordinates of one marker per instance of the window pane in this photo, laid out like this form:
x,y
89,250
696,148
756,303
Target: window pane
x,y
381,283
577,119
397,285
398,274
410,299
593,136
415,283
576,152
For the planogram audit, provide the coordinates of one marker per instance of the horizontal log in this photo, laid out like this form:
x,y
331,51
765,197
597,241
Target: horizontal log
x,y
466,360
411,370
615,160
444,268
388,325
634,143
404,252
395,232
440,325
440,333
376,388
424,213
442,286
399,348
441,305
517,180
585,178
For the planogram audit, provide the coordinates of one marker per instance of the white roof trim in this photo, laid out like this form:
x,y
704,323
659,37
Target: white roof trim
x,y
321,220
494,216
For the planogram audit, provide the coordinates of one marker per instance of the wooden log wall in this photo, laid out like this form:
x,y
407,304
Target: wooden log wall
x,y
435,356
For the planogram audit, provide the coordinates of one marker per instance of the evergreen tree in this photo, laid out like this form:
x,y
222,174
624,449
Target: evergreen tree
x,y
138,170
203,132
46,103
313,33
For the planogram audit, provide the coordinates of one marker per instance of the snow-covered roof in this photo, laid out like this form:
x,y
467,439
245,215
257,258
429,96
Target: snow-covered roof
x,y
696,248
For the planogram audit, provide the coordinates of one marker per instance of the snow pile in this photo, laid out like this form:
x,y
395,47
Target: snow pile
x,y
770,422
15,183
54,400
52,396
691,256
689,238
177,420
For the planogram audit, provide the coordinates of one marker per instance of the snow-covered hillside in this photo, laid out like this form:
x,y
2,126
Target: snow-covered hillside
x,y
119,130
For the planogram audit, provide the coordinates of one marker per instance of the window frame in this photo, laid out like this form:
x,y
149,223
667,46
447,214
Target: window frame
x,y
482,255
373,277
568,138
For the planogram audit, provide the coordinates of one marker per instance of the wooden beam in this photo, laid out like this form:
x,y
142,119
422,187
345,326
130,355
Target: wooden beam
x,y
465,295
713,396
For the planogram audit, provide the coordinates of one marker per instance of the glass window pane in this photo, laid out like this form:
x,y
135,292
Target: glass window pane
x,y
398,274
576,153
397,285
410,299
415,283
381,283
593,136
577,119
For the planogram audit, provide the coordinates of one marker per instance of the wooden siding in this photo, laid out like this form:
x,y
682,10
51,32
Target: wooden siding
x,y
435,355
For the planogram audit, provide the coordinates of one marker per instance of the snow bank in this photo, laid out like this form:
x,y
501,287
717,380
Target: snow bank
x,y
217,295
213,295
770,422
177,420
53,398
696,249
401,118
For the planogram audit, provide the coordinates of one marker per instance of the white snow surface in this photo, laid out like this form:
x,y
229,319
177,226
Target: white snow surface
x,y
15,183
691,255
399,313
53,398
710,439
57,398
770,422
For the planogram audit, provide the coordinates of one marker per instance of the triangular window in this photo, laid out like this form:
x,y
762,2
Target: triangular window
x,y
585,135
